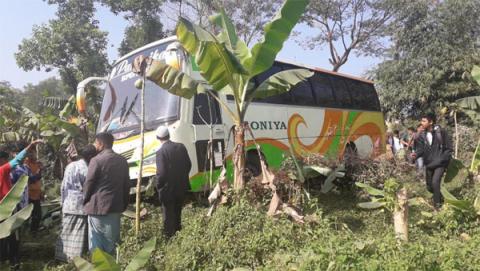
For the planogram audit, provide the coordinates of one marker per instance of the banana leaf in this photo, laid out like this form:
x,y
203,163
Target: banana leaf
x,y
15,221
315,171
469,103
476,205
68,109
370,190
82,264
476,74
190,35
328,184
276,33
10,201
141,259
230,37
453,169
103,261
371,205
174,81
463,205
217,64
279,83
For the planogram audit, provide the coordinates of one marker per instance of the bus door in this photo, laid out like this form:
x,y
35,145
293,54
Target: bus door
x,y
208,126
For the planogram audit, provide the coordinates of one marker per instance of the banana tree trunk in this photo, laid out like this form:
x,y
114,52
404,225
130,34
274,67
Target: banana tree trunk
x,y
400,215
239,157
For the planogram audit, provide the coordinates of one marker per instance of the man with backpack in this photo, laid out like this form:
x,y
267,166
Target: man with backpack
x,y
435,147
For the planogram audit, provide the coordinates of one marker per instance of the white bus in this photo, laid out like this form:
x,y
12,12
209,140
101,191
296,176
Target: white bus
x,y
325,114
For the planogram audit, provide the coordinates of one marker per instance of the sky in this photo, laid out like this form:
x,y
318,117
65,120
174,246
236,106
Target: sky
x,y
18,17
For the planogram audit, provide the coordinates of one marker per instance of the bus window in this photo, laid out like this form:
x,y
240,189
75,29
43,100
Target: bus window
x,y
359,98
206,110
302,94
322,90
371,96
342,95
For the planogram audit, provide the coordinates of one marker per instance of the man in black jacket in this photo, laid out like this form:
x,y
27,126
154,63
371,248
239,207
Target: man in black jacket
x,y
435,147
173,167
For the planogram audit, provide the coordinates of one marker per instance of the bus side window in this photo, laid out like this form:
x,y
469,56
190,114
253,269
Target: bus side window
x,y
371,96
206,109
302,94
342,95
358,94
322,90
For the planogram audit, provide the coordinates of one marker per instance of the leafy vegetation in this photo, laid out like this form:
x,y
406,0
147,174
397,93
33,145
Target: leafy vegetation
x,y
104,261
9,222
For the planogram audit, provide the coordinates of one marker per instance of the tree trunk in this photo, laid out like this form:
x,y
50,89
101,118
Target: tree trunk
x,y
239,157
400,215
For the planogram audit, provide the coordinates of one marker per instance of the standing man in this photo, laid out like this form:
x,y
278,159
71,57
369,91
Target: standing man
x,y
435,147
106,192
415,144
173,167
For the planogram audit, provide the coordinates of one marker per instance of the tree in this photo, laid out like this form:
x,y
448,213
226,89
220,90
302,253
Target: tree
x,y
47,94
248,16
435,45
145,25
71,43
228,65
347,26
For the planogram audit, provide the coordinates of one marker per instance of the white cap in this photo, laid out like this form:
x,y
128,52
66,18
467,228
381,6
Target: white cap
x,y
162,132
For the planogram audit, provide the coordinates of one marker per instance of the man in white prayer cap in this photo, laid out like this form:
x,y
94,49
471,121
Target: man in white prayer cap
x,y
173,167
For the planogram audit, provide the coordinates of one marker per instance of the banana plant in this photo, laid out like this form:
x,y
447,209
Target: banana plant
x,y
394,199
228,66
103,261
471,107
8,204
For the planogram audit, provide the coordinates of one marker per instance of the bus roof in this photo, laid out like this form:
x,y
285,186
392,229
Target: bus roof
x,y
173,38
326,71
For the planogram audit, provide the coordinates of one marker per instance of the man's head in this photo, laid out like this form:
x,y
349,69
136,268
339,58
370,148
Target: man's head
x,y
427,121
396,133
162,133
103,141
410,130
419,128
88,152
4,157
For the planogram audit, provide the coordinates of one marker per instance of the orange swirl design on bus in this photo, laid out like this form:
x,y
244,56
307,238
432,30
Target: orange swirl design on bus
x,y
339,128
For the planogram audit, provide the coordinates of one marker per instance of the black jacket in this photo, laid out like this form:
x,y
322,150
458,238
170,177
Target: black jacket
x,y
107,186
173,167
439,153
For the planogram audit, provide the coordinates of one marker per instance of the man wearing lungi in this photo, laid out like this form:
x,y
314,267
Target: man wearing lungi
x,y
106,193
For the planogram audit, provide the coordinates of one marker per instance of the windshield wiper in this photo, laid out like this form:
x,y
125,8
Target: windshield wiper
x,y
121,111
122,120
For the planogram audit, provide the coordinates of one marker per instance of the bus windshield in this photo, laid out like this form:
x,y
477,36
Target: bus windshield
x,y
120,113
